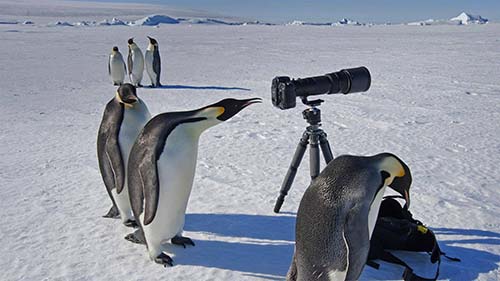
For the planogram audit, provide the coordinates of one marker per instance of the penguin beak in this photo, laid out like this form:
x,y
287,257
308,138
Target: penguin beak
x,y
233,106
402,184
251,101
130,100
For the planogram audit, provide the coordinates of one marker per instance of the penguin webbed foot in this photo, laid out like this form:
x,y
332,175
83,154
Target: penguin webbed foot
x,y
136,237
183,241
164,259
113,213
131,223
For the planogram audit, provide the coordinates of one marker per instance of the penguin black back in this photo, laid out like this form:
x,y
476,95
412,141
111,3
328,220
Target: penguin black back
x,y
332,229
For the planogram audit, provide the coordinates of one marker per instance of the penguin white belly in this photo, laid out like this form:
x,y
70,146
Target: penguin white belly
x,y
137,67
176,168
134,120
117,69
373,213
148,57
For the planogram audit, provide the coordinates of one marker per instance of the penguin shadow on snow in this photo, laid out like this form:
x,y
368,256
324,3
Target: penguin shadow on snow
x,y
189,87
268,259
474,261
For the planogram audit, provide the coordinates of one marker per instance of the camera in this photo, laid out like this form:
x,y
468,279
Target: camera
x,y
284,90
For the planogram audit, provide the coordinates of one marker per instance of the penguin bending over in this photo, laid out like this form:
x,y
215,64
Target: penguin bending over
x,y
338,212
161,170
116,67
123,119
153,62
135,63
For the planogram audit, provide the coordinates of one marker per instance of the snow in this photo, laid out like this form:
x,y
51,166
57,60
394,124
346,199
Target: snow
x,y
434,102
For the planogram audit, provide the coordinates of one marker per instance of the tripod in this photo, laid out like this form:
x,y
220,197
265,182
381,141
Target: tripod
x,y
316,138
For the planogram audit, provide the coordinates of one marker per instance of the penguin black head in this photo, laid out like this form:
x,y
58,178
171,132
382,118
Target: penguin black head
x,y
131,41
127,94
115,49
232,106
152,41
396,175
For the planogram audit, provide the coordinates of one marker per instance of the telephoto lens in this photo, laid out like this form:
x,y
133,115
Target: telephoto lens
x,y
284,91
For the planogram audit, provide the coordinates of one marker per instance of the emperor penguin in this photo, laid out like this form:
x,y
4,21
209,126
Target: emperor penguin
x,y
135,63
161,169
124,117
153,62
116,67
337,215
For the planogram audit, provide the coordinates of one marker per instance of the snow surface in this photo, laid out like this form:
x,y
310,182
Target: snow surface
x,y
434,101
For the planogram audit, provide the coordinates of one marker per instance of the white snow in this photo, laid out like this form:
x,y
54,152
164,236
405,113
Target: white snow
x,y
434,102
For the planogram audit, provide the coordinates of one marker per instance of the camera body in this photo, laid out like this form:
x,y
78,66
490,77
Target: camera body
x,y
284,91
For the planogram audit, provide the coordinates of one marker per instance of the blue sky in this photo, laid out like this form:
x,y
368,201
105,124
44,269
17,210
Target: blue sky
x,y
331,10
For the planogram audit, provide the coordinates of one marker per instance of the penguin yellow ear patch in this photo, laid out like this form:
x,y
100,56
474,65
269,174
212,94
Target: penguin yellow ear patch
x,y
214,111
118,97
220,111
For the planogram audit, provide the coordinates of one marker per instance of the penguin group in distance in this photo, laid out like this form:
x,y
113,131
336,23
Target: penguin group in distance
x,y
137,62
337,215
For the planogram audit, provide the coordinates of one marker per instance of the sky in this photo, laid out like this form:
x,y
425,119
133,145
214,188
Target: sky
x,y
377,11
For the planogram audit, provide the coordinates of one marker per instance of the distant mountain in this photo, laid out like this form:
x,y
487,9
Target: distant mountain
x,y
465,18
155,20
462,19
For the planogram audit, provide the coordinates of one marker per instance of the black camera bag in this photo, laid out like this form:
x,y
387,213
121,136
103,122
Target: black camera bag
x,y
397,230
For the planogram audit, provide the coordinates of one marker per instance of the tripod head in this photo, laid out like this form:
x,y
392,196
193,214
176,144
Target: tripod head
x,y
312,114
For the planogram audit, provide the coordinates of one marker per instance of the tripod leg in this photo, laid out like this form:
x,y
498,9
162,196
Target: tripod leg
x,y
325,147
314,156
292,171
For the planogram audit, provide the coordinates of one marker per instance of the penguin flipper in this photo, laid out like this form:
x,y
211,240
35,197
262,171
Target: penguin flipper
x,y
151,189
112,173
115,162
357,242
129,63
109,66
157,66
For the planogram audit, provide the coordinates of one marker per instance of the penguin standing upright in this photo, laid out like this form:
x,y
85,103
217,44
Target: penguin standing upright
x,y
153,62
161,170
135,63
337,215
116,67
123,118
